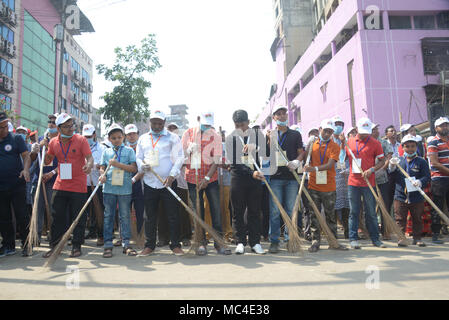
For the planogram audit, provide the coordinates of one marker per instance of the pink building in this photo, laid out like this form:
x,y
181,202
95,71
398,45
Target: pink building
x,y
382,59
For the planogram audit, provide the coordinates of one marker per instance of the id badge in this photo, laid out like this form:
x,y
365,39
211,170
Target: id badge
x,y
248,161
409,185
153,158
321,177
280,160
65,171
117,177
355,168
195,161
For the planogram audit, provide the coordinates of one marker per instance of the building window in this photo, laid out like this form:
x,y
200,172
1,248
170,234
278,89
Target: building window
x,y
66,56
64,79
84,117
6,68
424,22
75,88
443,20
75,65
84,96
74,111
400,22
10,4
7,33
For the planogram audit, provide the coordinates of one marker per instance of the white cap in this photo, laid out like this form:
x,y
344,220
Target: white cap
x,y
157,114
337,119
131,128
364,126
405,127
280,108
430,139
173,124
207,118
10,127
115,126
88,130
408,138
418,138
22,128
327,124
62,118
440,121
374,126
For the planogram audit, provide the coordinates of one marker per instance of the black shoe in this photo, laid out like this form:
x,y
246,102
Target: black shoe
x,y
314,247
435,239
274,248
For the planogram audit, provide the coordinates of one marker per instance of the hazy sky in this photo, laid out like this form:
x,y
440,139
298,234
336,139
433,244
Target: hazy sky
x,y
214,54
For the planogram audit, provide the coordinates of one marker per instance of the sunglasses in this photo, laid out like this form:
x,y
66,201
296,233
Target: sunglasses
x,y
52,122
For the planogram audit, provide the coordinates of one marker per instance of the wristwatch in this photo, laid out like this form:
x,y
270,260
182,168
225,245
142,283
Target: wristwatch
x,y
206,178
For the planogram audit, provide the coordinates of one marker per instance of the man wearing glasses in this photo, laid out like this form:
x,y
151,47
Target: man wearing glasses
x,y
75,162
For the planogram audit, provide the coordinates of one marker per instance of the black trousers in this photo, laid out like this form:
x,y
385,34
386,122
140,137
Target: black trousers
x,y
265,206
246,194
171,205
440,194
65,207
15,197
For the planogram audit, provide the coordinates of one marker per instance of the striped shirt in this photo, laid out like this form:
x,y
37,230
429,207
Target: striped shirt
x,y
441,148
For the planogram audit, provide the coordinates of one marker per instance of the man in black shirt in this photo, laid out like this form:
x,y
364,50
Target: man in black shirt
x,y
243,147
283,183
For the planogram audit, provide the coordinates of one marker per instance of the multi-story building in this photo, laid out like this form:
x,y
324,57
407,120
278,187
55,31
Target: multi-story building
x,y
382,59
30,60
178,115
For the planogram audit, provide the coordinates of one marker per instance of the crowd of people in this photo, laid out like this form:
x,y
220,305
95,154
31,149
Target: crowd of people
x,y
238,183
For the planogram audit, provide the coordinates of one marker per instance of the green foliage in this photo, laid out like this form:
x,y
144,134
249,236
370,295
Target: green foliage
x,y
127,103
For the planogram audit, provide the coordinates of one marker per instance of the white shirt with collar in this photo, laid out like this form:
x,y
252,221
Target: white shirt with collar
x,y
395,147
97,151
171,157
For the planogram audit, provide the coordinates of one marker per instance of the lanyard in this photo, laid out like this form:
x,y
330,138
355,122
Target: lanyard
x,y
65,153
283,139
152,141
119,153
410,164
324,155
357,146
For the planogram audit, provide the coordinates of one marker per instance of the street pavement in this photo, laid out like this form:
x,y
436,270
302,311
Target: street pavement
x,y
369,273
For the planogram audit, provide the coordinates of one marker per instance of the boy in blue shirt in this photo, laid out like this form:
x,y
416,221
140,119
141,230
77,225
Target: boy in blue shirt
x,y
117,189
407,197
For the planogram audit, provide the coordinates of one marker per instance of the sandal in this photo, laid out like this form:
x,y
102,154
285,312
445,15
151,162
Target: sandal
x,y
75,253
107,253
130,252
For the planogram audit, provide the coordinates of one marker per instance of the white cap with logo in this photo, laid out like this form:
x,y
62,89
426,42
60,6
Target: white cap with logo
x,y
157,114
408,138
337,119
405,127
22,128
115,126
280,108
62,118
364,126
88,130
327,124
207,118
131,128
441,120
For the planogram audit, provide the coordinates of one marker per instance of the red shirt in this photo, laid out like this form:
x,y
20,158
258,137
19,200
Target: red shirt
x,y
76,155
211,152
440,147
368,150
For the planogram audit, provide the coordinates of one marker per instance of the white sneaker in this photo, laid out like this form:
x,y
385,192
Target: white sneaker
x,y
258,249
240,249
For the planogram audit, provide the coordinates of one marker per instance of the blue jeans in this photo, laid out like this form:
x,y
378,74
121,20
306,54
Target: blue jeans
x,y
110,204
355,202
286,192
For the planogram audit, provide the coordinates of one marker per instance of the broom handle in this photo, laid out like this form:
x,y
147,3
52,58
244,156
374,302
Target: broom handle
x,y
47,207
438,210
382,207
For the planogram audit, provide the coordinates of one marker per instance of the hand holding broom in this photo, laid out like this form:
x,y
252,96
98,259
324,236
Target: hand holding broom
x,y
395,161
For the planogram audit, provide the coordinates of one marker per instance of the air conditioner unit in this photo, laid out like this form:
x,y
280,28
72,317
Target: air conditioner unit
x,y
83,104
89,108
75,98
12,17
7,84
4,11
75,75
83,82
90,88
3,44
11,49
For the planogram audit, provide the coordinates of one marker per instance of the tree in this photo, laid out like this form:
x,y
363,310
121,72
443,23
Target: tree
x,y
127,103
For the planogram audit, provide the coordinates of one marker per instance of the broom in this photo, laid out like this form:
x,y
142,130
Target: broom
x,y
58,249
333,242
387,231
33,238
99,215
438,210
192,213
295,241
389,222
